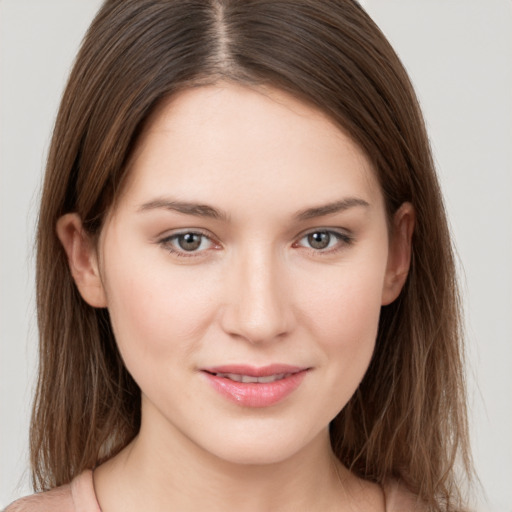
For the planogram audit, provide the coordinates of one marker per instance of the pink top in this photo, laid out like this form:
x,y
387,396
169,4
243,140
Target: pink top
x,y
79,496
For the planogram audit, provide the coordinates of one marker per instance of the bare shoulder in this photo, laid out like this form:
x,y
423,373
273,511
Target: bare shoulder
x,y
56,500
400,499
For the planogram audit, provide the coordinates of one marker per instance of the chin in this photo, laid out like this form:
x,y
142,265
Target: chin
x,y
256,454
260,444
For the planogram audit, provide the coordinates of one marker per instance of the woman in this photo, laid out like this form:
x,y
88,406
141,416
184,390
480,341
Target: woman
x,y
246,288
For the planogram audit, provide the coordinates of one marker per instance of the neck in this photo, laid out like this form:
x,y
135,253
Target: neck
x,y
162,470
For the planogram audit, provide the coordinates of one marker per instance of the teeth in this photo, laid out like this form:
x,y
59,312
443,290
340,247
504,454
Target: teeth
x,y
250,379
273,378
247,379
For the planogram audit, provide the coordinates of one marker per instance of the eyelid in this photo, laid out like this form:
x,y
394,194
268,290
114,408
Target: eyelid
x,y
166,242
344,238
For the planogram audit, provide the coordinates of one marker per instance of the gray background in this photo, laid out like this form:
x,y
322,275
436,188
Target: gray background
x,y
459,54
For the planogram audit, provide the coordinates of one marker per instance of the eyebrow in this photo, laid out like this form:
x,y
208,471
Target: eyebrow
x,y
331,208
204,210
187,208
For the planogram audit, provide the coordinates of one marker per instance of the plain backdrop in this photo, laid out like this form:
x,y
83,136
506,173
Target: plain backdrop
x,y
459,55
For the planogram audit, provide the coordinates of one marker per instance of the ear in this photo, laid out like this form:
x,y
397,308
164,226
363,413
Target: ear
x,y
82,259
399,256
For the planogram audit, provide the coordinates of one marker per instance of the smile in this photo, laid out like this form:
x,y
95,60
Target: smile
x,y
250,379
255,387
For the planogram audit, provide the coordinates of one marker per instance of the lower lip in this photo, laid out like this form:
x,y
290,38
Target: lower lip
x,y
254,394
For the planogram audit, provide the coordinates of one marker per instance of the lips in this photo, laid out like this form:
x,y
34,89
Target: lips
x,y
246,379
255,387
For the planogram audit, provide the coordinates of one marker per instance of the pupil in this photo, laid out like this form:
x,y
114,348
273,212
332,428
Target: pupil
x,y
189,241
319,240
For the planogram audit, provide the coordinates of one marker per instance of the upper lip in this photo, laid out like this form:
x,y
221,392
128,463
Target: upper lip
x,y
255,371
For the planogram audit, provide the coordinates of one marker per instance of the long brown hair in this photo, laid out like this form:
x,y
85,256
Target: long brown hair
x,y
407,419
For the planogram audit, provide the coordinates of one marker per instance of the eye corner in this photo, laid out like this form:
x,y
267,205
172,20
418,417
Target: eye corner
x,y
335,240
199,244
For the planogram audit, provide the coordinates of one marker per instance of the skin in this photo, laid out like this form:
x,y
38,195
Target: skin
x,y
255,291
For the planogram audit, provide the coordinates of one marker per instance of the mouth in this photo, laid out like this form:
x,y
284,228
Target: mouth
x,y
255,387
250,379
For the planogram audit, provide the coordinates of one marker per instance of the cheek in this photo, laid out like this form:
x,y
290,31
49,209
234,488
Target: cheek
x,y
157,314
343,319
346,311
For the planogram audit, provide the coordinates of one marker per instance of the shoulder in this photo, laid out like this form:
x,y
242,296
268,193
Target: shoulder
x,y
400,499
56,500
78,495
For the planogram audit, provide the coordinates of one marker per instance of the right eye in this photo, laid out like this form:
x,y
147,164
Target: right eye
x,y
188,243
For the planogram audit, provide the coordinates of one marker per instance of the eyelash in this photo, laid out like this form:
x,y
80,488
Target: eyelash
x,y
342,240
167,243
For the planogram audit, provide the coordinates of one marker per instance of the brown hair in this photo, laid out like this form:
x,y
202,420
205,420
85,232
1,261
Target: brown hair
x,y
407,419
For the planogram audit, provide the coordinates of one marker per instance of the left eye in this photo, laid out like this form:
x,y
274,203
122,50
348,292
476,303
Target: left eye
x,y
189,242
322,240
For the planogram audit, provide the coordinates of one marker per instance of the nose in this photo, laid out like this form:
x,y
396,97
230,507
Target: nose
x,y
258,306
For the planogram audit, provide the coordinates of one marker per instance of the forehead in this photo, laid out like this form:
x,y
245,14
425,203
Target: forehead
x,y
242,145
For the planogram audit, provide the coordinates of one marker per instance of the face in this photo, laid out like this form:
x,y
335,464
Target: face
x,y
244,268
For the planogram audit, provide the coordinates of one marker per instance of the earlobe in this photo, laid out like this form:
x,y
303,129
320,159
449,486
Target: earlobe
x,y
399,256
82,259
